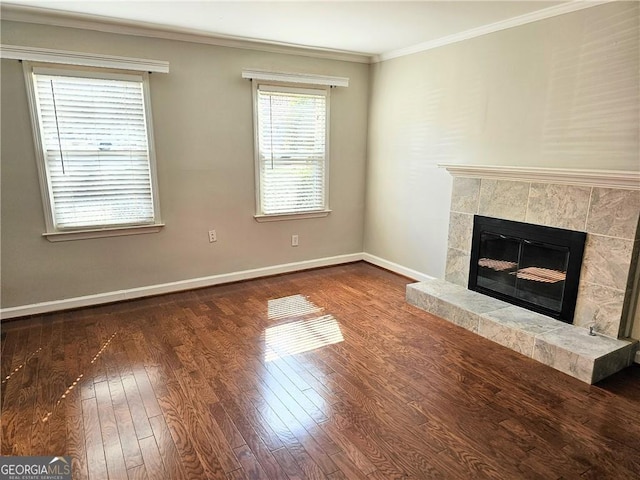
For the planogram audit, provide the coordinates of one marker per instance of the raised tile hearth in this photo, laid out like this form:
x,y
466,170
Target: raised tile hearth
x,y
567,348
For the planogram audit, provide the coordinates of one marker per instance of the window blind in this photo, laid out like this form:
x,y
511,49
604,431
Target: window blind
x,y
292,138
94,136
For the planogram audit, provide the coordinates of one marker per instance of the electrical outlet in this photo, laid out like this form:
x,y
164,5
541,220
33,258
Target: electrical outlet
x,y
212,236
294,240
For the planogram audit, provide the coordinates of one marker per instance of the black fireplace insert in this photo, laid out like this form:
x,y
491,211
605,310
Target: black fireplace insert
x,y
533,266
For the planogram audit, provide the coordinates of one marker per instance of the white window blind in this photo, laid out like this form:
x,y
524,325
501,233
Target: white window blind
x,y
94,136
292,149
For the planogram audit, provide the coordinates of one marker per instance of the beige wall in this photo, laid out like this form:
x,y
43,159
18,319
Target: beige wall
x,y
561,92
204,141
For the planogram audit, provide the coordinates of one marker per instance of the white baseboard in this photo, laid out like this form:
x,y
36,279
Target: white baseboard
x,y
394,267
159,289
132,293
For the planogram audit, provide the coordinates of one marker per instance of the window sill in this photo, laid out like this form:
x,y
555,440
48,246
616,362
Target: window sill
x,y
291,216
102,232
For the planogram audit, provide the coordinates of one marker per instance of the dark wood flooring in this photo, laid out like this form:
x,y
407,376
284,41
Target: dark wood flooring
x,y
319,374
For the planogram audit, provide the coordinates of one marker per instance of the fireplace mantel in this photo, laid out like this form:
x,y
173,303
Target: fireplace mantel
x,y
627,180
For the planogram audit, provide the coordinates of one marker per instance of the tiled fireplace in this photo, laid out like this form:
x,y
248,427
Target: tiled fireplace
x,y
608,211
609,216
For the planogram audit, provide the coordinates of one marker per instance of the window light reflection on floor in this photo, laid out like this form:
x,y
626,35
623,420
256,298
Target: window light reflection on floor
x,y
301,336
292,306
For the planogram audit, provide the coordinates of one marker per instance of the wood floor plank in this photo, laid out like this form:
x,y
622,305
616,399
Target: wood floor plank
x,y
170,456
190,458
137,473
152,459
111,439
136,407
250,465
184,386
27,379
96,462
126,428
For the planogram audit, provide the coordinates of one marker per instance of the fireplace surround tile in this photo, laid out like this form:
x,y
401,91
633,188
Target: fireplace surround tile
x,y
460,231
504,199
465,196
561,206
599,307
457,270
607,261
614,213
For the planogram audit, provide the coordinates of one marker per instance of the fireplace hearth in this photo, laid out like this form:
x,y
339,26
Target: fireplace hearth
x,y
533,266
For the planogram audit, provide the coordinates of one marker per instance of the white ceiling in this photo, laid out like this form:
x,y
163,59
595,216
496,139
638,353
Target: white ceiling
x,y
365,27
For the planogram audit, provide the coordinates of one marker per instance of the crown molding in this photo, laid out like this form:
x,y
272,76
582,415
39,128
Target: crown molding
x,y
43,16
561,9
28,14
65,57
623,179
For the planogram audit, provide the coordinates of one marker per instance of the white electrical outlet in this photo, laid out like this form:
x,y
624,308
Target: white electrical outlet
x,y
212,236
294,240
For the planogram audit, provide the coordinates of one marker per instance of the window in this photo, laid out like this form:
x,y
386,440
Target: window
x,y
92,130
292,162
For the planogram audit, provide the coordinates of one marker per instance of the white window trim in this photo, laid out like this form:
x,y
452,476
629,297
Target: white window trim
x,y
65,57
276,217
55,235
262,217
266,76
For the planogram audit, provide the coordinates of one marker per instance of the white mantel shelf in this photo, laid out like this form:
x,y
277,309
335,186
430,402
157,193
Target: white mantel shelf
x,y
628,180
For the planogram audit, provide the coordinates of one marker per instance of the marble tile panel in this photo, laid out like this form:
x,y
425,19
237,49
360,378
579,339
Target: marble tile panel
x,y
561,206
573,351
607,261
426,295
599,307
563,360
457,269
474,302
517,340
579,341
519,318
460,231
463,318
515,327
452,302
613,362
436,287
614,212
465,195
504,199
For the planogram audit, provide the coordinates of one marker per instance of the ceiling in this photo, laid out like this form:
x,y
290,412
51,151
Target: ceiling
x,y
364,27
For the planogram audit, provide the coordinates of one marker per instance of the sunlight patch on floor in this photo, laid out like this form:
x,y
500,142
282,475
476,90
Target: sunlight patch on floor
x,y
291,306
301,336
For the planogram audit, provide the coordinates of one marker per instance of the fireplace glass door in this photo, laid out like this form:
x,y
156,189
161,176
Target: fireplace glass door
x,y
533,266
531,271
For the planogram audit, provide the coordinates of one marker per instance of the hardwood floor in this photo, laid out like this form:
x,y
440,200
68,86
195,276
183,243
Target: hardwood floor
x,y
319,374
